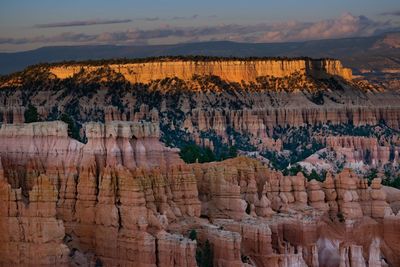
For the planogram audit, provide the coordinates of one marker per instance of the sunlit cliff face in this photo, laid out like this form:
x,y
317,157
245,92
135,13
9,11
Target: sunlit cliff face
x,y
232,71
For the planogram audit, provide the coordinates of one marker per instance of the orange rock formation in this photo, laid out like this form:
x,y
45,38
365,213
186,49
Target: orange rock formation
x,y
233,71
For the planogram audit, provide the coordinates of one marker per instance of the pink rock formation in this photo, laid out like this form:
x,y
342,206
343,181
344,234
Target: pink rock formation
x,y
123,194
393,198
30,233
129,144
255,121
391,235
379,206
348,199
331,195
12,114
361,149
316,196
172,251
219,196
226,246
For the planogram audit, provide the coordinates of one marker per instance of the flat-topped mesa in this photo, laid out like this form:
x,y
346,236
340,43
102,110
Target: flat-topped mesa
x,y
229,70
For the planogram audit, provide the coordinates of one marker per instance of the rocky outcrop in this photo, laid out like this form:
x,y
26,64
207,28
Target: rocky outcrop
x,y
331,194
347,196
379,206
215,103
12,114
267,118
362,150
30,234
230,70
27,150
391,236
117,207
123,193
102,201
56,129
172,251
225,246
393,198
258,124
316,196
256,243
129,144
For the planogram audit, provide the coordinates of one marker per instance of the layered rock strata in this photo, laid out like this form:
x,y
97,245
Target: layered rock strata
x,y
233,71
212,102
362,150
30,233
117,197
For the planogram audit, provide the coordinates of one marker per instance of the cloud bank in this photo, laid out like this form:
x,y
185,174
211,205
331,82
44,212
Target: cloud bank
x,y
81,23
346,25
391,13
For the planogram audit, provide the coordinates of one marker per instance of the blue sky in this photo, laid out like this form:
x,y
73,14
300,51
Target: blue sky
x,y
26,24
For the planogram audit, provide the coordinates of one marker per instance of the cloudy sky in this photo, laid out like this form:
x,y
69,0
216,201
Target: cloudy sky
x,y
28,24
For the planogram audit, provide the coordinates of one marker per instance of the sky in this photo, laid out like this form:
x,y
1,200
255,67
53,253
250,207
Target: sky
x,y
30,24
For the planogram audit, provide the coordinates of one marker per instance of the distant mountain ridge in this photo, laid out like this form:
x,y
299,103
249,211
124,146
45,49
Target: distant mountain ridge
x,y
363,54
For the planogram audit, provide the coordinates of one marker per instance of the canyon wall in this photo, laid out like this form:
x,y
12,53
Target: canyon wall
x,y
211,111
259,122
229,70
117,197
363,150
134,144
31,234
123,193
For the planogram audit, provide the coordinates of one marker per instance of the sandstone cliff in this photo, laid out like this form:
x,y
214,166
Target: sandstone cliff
x,y
363,150
206,102
123,193
229,70
30,233
111,210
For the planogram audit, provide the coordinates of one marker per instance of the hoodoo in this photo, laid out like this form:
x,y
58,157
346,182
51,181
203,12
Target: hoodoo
x,y
188,161
167,139
106,204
